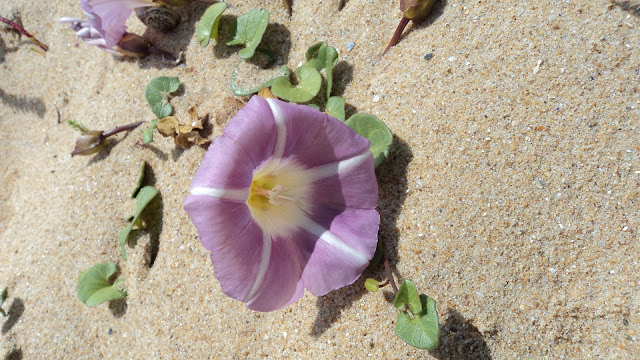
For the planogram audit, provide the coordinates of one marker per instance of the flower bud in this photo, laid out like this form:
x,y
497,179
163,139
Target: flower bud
x,y
416,10
133,45
88,143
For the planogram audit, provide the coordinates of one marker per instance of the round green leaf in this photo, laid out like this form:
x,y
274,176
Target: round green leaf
x,y
376,132
371,285
309,84
322,56
335,107
157,94
421,330
407,297
249,30
207,27
94,287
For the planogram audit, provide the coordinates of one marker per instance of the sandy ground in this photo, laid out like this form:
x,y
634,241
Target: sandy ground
x,y
511,195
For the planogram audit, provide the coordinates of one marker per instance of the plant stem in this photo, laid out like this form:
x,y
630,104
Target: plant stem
x,y
24,32
106,134
390,276
396,36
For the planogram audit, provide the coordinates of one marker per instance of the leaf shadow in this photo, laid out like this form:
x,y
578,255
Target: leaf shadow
x,y
460,339
15,354
14,314
23,103
104,152
392,186
627,6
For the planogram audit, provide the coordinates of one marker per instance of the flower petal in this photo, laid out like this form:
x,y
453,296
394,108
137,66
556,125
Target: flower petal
x,y
233,238
254,129
314,138
225,166
109,16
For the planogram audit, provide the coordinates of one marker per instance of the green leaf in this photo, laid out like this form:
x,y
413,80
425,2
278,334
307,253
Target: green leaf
x,y
376,132
335,107
94,287
322,56
421,331
239,91
144,197
314,106
408,297
157,94
307,88
249,30
77,126
371,285
147,134
207,27
3,297
140,179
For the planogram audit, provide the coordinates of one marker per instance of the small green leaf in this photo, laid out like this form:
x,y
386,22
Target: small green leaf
x,y
207,27
77,126
309,84
421,331
144,197
322,56
376,132
140,179
314,106
157,94
371,285
408,297
94,287
147,134
239,91
335,107
249,30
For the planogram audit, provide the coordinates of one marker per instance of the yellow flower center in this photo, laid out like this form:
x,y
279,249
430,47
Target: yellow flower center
x,y
278,196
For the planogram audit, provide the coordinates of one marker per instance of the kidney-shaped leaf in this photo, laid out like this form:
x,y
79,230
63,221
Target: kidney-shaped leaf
x,y
249,30
94,287
207,27
376,131
308,86
421,331
322,56
157,94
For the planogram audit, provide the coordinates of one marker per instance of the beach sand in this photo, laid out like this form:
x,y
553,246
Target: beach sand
x,y
510,196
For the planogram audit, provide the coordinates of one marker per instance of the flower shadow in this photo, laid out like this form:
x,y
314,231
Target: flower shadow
x,y
460,339
392,186
23,103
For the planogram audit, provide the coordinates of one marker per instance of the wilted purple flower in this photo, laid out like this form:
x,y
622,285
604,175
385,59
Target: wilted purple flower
x,y
129,44
108,17
285,200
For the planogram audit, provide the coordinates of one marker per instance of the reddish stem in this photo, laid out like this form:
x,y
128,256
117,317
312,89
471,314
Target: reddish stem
x,y
396,36
24,32
106,134
390,276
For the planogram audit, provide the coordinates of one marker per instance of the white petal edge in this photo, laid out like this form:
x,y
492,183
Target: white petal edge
x,y
331,239
264,265
338,167
281,129
224,194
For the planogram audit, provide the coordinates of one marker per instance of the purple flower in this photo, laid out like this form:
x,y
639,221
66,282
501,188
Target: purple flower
x,y
285,200
108,17
129,44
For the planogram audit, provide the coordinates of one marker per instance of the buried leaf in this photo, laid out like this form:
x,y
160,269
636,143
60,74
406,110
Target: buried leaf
x,y
144,197
309,84
376,131
322,56
94,286
240,91
158,93
249,30
421,330
147,134
140,179
207,27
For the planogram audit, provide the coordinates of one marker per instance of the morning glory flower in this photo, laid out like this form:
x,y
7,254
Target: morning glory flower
x,y
129,44
285,200
108,17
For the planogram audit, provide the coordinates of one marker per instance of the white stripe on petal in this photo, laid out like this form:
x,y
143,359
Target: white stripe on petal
x,y
339,167
331,239
225,194
264,265
281,129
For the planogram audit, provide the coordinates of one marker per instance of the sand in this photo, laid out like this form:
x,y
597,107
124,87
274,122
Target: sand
x,y
511,195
